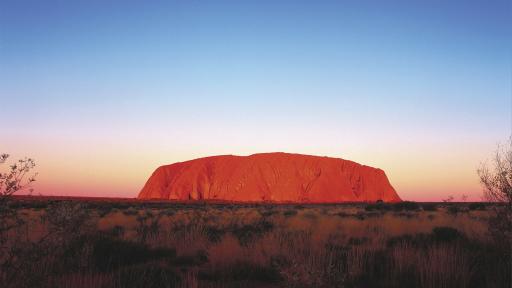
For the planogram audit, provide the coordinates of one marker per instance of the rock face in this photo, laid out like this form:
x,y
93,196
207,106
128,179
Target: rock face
x,y
270,177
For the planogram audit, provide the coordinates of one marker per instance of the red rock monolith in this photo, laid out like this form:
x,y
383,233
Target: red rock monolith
x,y
270,177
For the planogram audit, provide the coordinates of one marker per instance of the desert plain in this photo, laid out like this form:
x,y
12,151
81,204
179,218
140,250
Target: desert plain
x,y
95,242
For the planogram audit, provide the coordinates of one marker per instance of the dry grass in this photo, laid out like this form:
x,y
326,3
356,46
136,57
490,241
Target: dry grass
x,y
268,246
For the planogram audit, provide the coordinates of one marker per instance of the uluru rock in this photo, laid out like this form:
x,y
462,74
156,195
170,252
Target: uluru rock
x,y
270,177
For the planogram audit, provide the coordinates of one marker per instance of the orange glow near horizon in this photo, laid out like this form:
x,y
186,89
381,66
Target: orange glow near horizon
x,y
98,171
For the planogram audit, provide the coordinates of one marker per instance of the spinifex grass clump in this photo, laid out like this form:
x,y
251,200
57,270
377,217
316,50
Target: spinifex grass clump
x,y
290,213
380,206
249,232
110,253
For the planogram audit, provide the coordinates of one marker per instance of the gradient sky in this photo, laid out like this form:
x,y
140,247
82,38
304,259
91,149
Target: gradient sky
x,y
100,93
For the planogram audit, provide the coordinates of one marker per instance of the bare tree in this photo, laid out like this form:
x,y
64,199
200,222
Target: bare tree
x,y
17,178
497,182
66,222
497,179
449,199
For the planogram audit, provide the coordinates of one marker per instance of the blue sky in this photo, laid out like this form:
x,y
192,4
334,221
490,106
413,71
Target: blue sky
x,y
392,84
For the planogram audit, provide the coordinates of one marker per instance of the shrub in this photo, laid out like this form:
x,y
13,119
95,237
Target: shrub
x,y
429,207
147,225
109,254
453,209
130,211
359,215
267,213
104,210
67,220
117,231
214,234
497,181
343,214
439,234
406,205
199,258
247,233
446,234
169,212
290,213
477,206
379,206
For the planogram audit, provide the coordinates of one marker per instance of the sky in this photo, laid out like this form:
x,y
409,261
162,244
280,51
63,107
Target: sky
x,y
100,93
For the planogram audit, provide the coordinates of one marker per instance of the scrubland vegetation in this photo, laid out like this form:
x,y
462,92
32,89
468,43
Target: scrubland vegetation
x,y
64,243
79,243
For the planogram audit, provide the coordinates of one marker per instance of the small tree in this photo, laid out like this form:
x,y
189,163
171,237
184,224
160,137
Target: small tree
x,y
449,199
14,180
497,182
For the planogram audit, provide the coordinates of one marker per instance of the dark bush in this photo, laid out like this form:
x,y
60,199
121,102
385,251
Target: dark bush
x,y
407,215
477,206
116,232
130,211
379,206
376,271
267,213
199,258
429,207
148,226
247,233
343,214
359,215
439,235
453,209
150,275
169,212
445,234
290,213
104,210
406,205
109,254
214,234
